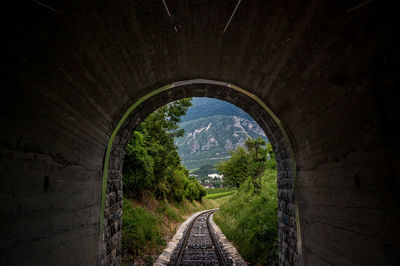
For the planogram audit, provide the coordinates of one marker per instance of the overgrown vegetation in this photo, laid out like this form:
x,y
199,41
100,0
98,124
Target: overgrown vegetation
x,y
149,224
250,217
219,190
249,163
140,227
153,173
204,170
152,162
202,175
159,193
217,193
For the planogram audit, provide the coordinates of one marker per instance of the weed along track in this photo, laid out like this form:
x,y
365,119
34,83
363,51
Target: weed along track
x,y
199,245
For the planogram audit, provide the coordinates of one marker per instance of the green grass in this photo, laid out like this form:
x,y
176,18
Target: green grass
x,y
222,201
169,212
250,221
219,190
139,228
146,225
219,195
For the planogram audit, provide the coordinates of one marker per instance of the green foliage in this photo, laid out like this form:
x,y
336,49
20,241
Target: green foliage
x,y
178,181
248,164
143,226
271,161
202,175
235,170
219,190
257,156
170,213
139,227
138,166
152,161
250,220
202,191
194,191
205,170
219,195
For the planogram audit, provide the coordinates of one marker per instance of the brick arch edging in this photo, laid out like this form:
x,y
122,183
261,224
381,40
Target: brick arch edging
x,y
289,233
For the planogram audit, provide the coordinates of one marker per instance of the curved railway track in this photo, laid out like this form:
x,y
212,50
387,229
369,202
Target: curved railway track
x,y
199,245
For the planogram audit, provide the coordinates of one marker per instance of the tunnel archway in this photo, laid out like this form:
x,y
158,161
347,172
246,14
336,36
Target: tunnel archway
x,y
111,208
328,70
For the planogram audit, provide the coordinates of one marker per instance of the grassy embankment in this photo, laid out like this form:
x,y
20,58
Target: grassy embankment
x,y
217,193
149,224
250,221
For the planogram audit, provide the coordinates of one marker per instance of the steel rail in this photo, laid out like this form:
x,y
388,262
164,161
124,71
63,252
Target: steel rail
x,y
218,249
215,241
185,239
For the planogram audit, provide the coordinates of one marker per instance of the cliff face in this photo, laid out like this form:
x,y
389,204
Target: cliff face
x,y
212,129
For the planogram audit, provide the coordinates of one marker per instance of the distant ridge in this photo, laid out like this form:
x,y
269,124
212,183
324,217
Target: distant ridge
x,y
205,107
212,129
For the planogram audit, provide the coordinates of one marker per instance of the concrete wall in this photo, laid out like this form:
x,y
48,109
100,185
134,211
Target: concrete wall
x,y
72,68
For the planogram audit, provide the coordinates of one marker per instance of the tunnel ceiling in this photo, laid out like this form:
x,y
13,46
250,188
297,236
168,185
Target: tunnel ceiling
x,y
327,69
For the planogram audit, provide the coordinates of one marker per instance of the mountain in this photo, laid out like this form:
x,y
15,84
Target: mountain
x,y
212,129
205,107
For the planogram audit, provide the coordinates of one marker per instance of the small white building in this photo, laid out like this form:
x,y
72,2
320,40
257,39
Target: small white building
x,y
216,176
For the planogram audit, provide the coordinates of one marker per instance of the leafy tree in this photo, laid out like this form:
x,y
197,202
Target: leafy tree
x,y
152,161
194,191
177,183
248,164
271,161
138,166
202,191
236,169
257,160
205,170
159,130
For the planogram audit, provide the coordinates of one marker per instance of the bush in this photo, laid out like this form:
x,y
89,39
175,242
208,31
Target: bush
x,y
194,191
139,228
167,210
177,182
251,221
152,162
191,191
138,166
201,190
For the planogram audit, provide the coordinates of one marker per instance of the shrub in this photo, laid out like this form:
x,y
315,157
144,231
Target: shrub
x,y
177,182
139,227
138,166
250,221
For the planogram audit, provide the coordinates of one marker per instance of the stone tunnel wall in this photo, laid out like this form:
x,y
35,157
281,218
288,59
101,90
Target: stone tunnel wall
x,y
287,234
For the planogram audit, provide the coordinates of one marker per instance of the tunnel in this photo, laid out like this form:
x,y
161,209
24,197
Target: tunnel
x,y
319,77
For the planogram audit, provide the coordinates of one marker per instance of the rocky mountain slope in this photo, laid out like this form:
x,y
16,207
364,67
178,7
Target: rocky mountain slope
x,y
212,129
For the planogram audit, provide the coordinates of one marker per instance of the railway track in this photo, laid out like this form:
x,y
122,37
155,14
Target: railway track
x,y
199,245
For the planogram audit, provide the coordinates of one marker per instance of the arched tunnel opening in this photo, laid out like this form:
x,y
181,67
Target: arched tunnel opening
x,y
288,225
326,69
